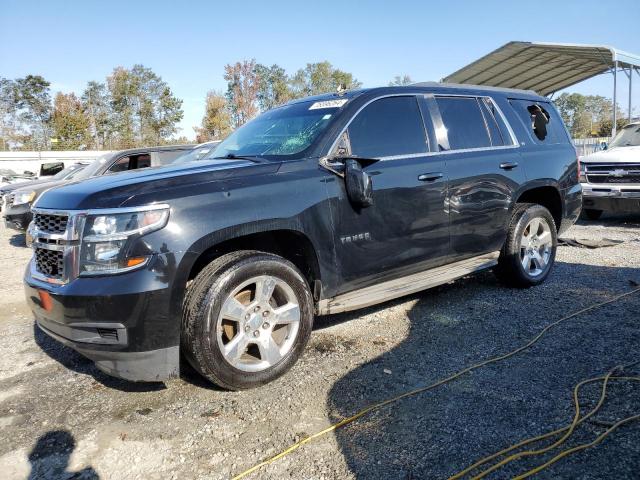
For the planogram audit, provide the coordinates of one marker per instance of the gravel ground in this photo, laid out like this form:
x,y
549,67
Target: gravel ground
x,y
59,416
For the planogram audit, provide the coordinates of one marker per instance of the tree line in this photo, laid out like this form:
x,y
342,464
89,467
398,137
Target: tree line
x,y
253,88
132,107
588,115
135,107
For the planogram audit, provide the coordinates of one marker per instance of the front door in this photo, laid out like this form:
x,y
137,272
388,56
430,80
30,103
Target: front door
x,y
406,228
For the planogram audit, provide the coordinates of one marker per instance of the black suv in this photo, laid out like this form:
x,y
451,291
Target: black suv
x,y
323,205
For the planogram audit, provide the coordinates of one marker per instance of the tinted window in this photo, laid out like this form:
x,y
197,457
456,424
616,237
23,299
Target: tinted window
x,y
502,126
492,125
541,120
120,166
388,127
464,122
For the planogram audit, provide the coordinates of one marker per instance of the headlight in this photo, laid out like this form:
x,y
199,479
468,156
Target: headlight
x,y
20,198
105,239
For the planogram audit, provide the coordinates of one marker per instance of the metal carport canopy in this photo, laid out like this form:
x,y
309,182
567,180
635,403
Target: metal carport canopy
x,y
542,67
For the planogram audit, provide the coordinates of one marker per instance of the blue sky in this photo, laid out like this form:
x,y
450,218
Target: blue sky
x,y
188,43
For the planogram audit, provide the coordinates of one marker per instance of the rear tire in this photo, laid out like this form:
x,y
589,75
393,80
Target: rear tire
x,y
592,214
529,252
247,318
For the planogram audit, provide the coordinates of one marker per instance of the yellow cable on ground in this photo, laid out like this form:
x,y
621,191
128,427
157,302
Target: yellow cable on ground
x,y
379,405
577,420
573,424
579,447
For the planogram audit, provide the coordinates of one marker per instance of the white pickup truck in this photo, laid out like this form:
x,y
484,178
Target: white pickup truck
x,y
611,178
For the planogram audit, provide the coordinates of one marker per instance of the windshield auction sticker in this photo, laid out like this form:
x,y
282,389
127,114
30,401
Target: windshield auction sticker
x,y
328,104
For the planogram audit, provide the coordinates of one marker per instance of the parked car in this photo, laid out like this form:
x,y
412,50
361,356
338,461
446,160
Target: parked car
x,y
611,178
327,204
17,203
18,214
62,175
8,177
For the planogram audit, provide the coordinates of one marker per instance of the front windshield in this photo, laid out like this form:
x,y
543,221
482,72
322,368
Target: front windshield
x,y
198,153
67,172
282,132
91,169
629,136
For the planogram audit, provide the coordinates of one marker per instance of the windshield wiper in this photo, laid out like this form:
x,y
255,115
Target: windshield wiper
x,y
233,156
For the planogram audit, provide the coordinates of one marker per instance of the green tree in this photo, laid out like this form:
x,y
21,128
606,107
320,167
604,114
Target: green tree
x,y
34,107
242,91
273,86
400,80
322,77
97,107
11,132
587,115
122,91
70,124
145,111
216,123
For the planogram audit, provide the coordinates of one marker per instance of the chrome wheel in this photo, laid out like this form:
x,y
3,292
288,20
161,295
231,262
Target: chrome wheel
x,y
258,323
536,246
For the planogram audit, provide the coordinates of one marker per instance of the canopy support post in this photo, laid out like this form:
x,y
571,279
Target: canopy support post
x,y
630,84
615,99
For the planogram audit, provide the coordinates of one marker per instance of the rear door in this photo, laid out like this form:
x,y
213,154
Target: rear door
x,y
406,228
484,171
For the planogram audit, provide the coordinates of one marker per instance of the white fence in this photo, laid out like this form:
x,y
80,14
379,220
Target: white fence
x,y
585,146
20,162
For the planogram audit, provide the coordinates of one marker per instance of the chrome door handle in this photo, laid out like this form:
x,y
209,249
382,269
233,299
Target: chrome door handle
x,y
430,177
508,165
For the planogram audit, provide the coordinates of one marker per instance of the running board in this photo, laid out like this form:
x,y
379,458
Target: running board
x,y
406,285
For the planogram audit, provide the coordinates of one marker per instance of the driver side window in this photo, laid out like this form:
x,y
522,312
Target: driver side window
x,y
388,127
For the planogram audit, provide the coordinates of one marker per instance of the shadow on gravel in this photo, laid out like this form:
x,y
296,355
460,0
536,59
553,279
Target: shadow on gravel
x,y
619,220
435,434
72,360
49,457
18,240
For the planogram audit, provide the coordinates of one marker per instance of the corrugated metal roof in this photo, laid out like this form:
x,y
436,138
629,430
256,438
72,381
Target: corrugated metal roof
x,y
542,67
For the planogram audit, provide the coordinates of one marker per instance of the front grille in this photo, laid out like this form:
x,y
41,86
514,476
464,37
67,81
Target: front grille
x,y
51,223
9,199
613,173
49,262
635,178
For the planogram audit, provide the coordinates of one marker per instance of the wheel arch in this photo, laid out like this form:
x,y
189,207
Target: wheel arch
x,y
545,193
286,241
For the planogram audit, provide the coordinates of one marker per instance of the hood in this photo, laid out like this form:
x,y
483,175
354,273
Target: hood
x,y
140,187
614,155
15,186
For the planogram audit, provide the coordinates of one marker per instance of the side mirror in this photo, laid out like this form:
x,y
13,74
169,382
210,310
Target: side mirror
x,y
358,184
604,145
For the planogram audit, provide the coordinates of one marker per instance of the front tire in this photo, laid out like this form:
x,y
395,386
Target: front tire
x,y
247,318
529,252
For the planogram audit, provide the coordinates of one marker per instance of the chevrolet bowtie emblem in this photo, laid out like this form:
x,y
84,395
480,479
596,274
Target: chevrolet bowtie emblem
x,y
618,173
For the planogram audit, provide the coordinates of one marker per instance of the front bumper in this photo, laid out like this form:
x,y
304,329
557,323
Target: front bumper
x,y
121,322
618,198
18,217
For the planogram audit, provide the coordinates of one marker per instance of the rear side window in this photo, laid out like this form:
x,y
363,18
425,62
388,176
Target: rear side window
x,y
388,127
495,121
541,121
464,122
